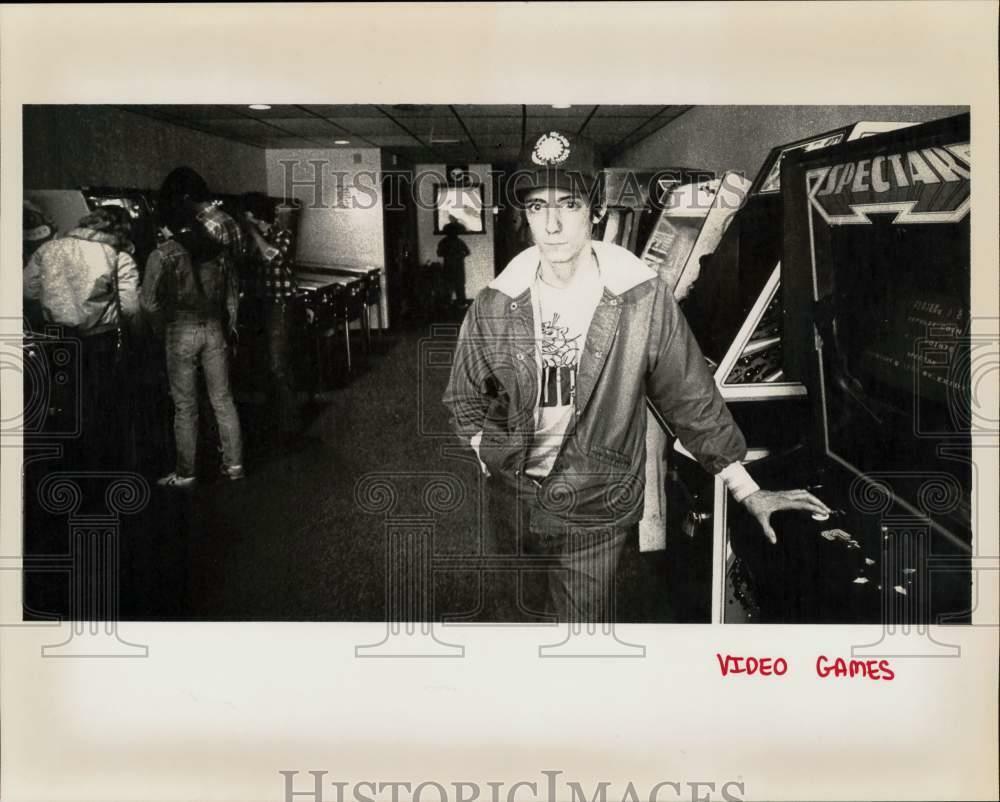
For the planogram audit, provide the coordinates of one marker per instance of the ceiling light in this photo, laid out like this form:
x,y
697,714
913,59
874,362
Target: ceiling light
x,y
561,106
259,106
342,142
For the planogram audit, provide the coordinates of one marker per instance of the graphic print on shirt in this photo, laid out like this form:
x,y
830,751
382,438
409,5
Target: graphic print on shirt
x,y
560,355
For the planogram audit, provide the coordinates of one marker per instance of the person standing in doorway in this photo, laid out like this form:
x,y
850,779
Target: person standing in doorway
x,y
453,250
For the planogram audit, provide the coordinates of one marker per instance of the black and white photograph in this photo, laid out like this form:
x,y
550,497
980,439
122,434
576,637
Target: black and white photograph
x,y
635,383
268,335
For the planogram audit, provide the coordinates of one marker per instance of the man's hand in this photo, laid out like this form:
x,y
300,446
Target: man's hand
x,y
762,503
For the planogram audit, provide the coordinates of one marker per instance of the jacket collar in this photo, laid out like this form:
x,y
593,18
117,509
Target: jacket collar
x,y
621,270
91,235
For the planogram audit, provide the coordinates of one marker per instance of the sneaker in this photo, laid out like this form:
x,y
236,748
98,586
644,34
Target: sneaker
x,y
173,480
233,472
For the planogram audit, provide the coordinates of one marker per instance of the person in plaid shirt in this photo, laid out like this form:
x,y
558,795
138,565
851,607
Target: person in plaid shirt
x,y
222,228
272,260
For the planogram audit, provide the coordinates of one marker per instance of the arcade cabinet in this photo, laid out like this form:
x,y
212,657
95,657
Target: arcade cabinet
x,y
689,224
875,274
736,313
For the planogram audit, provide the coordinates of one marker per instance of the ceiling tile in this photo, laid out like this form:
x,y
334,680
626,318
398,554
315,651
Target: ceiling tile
x,y
432,127
645,111
494,125
367,125
343,110
485,110
331,142
185,112
274,111
238,127
393,140
604,129
291,142
310,126
548,111
569,124
416,110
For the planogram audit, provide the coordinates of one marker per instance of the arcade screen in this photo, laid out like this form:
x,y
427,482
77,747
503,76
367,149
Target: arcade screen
x,y
877,238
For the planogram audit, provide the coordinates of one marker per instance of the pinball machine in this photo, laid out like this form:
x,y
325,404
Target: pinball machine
x,y
850,377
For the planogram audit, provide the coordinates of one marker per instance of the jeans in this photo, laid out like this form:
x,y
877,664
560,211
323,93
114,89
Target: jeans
x,y
581,559
277,322
190,343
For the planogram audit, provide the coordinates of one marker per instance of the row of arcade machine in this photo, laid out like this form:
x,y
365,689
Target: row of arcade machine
x,y
337,311
830,296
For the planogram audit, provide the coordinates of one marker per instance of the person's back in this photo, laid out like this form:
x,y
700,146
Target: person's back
x,y
86,280
186,278
190,282
453,251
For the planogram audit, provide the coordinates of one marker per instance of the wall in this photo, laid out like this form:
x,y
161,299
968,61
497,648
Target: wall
x,y
341,190
739,138
479,264
71,146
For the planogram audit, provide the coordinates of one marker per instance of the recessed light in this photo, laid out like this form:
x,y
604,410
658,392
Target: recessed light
x,y
342,142
259,106
561,106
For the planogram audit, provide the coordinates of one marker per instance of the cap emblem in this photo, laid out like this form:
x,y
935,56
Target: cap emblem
x,y
550,149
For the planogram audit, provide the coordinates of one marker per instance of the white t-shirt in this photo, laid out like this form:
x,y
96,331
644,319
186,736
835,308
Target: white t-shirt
x,y
565,314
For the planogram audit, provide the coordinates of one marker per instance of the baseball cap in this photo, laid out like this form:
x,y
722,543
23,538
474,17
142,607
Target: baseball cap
x,y
557,159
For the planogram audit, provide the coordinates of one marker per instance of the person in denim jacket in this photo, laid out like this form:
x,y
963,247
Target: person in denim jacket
x,y
192,285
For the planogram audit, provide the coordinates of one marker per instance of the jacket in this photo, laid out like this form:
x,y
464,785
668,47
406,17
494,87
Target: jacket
x,y
75,280
168,286
638,346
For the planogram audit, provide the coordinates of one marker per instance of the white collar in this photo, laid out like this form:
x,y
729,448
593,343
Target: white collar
x,y
620,269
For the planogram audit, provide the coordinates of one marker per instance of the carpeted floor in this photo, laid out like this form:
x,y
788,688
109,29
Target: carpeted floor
x,y
376,489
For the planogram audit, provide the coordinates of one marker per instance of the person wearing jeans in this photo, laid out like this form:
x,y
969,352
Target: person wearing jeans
x,y
191,342
190,283
271,257
555,364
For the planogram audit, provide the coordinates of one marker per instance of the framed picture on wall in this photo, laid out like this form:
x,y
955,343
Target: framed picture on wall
x,y
459,209
458,175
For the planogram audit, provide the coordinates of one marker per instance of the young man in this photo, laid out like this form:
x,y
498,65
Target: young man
x,y
191,280
554,364
273,273
88,282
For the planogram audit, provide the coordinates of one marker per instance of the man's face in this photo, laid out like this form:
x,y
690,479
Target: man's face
x,y
559,220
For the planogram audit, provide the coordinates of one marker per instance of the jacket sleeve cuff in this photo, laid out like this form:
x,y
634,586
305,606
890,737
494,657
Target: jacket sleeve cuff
x,y
477,438
738,482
